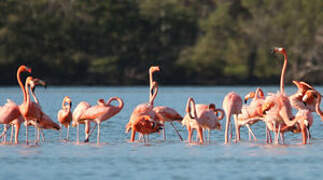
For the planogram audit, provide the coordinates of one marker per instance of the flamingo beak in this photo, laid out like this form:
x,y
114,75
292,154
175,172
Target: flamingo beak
x,y
245,101
28,70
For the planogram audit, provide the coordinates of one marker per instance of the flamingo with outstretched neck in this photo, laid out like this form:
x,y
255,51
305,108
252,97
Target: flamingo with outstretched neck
x,y
164,113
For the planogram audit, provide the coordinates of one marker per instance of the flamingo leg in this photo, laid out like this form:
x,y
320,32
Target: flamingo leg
x,y
17,126
277,135
11,134
180,137
236,128
27,133
42,135
189,129
77,133
98,137
251,132
209,135
87,135
200,134
68,131
133,135
308,135
282,138
164,132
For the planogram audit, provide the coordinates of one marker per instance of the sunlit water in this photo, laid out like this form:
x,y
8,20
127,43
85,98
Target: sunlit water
x,y
115,158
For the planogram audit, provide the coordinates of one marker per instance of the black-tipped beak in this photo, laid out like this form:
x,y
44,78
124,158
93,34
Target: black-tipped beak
x,y
264,112
245,101
304,103
70,104
86,140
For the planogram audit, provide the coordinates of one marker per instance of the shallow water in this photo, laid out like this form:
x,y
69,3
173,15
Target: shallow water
x,y
115,158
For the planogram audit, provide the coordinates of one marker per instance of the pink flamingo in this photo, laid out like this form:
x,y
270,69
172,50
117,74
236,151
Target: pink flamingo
x,y
102,112
140,110
18,117
76,120
252,113
145,125
44,122
204,117
296,98
64,115
232,105
164,113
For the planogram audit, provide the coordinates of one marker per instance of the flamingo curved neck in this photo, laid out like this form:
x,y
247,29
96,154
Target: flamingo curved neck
x,y
282,82
121,103
20,84
191,102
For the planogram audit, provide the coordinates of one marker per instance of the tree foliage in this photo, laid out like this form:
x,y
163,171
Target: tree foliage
x,y
194,42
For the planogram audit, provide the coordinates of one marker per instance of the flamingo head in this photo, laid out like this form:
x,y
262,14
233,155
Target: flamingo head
x,y
310,96
24,68
303,86
100,102
279,50
154,69
212,107
36,82
68,100
248,96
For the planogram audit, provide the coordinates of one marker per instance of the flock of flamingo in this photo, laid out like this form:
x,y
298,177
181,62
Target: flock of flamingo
x,y
275,110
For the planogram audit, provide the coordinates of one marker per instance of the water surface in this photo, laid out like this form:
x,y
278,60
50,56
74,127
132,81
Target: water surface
x,y
115,158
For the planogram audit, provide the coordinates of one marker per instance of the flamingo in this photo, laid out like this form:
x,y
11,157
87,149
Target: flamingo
x,y
64,115
164,113
145,125
44,122
102,112
140,110
296,98
313,95
76,121
252,113
283,110
204,117
10,112
232,105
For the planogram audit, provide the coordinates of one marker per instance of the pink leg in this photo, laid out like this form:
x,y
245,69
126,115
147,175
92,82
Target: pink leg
x,y
98,138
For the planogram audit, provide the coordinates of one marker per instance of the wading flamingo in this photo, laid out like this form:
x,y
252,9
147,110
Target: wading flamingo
x,y
45,122
102,112
164,113
232,105
140,110
76,121
204,117
64,115
252,113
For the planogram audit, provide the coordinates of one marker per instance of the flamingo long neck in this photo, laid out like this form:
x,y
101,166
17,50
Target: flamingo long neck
x,y
150,84
27,97
189,104
20,84
222,113
152,99
121,104
282,77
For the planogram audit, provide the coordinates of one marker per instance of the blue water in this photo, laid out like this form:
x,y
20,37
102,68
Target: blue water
x,y
115,158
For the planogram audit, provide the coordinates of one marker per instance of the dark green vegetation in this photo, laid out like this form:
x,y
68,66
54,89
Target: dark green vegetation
x,y
194,41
